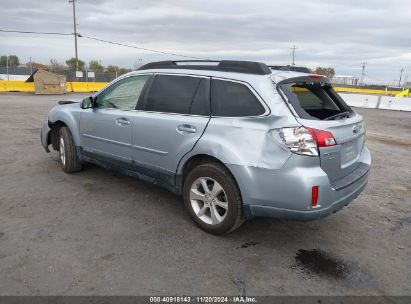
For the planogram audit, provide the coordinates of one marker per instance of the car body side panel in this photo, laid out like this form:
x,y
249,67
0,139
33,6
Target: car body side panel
x,y
157,140
247,141
101,134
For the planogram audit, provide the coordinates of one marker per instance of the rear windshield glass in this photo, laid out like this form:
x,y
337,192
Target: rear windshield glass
x,y
315,101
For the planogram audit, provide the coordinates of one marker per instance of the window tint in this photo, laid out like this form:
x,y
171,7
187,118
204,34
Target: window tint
x,y
124,94
313,97
314,100
179,94
234,99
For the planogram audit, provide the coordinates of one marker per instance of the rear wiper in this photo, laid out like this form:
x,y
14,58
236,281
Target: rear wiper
x,y
342,114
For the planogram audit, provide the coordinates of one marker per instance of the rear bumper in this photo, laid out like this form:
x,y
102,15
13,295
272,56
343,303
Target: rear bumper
x,y
44,136
286,193
308,215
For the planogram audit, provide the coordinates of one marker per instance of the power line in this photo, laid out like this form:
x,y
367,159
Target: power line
x,y
142,48
105,41
37,33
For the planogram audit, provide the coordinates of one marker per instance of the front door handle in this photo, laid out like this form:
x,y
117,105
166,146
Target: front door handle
x,y
185,129
122,122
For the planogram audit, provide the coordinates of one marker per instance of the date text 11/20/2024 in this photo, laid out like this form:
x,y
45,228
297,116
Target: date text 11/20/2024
x,y
201,299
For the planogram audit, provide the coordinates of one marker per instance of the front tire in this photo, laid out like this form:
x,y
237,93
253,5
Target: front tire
x,y
213,198
68,153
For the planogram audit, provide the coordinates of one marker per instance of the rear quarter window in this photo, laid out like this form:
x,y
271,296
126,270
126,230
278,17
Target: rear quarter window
x,y
233,99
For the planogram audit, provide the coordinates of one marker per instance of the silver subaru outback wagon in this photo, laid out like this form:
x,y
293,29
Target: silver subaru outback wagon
x,y
236,139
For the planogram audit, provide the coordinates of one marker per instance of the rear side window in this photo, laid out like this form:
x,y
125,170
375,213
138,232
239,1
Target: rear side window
x,y
233,99
315,100
179,94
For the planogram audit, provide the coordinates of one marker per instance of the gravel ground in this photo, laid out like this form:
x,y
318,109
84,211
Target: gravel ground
x,y
100,233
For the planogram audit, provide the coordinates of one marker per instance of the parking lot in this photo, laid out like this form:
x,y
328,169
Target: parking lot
x,y
100,233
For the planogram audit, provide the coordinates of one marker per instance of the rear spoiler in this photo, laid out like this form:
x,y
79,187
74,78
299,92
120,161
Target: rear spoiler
x,y
306,78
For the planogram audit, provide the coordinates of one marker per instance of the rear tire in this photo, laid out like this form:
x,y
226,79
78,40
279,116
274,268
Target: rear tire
x,y
68,153
213,199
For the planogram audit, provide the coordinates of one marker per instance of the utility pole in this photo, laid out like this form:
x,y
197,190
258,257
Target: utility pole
x,y
75,29
293,52
362,73
7,67
399,81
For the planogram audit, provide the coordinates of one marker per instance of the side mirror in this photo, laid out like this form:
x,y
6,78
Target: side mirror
x,y
87,103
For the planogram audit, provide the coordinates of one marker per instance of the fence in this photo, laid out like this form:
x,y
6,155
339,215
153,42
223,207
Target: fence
x,y
377,102
20,86
363,98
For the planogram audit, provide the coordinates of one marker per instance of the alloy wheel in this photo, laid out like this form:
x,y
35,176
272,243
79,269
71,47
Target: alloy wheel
x,y
208,200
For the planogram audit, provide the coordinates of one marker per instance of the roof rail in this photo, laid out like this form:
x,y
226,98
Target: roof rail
x,y
247,67
290,68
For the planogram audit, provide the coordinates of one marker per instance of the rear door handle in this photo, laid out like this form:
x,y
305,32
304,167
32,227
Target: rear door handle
x,y
185,129
122,122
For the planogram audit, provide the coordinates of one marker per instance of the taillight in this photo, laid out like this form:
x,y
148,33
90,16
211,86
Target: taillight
x,y
323,138
306,141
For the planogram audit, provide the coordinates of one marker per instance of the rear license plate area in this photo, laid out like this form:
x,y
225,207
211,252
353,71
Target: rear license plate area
x,y
349,153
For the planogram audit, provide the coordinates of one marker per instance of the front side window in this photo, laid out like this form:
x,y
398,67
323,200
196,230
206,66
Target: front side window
x,y
123,94
179,94
233,99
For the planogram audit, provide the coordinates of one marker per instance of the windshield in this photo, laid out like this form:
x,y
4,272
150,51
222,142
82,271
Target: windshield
x,y
315,100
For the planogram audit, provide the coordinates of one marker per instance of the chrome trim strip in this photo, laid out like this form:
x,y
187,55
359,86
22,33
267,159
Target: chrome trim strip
x,y
107,140
149,150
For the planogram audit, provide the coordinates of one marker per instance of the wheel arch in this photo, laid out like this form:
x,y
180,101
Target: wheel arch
x,y
199,159
54,133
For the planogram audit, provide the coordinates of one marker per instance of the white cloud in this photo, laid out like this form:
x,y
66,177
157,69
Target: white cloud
x,y
330,33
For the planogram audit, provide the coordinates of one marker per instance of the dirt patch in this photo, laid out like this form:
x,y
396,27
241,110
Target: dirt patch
x,y
34,130
402,223
389,140
400,188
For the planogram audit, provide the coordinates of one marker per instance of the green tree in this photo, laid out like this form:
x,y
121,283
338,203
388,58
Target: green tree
x,y
72,64
3,60
326,71
95,66
13,60
123,70
112,69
